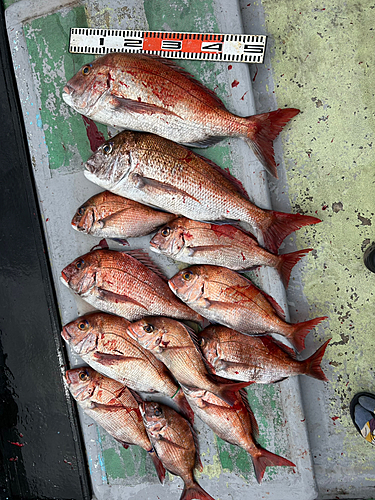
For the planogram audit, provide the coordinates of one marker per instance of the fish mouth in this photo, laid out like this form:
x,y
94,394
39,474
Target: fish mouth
x,y
64,279
67,89
65,334
67,379
154,247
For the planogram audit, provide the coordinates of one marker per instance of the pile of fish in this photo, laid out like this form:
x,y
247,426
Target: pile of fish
x,y
138,341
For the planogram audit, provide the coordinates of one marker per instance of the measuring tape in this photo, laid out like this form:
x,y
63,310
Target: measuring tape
x,y
231,48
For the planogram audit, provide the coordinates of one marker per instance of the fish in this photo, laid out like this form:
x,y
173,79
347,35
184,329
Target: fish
x,y
176,445
160,173
226,297
114,407
235,425
195,242
175,345
120,284
103,342
151,94
252,358
107,215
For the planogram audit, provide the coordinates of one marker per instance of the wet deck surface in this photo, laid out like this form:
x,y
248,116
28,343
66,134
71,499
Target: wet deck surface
x,y
318,60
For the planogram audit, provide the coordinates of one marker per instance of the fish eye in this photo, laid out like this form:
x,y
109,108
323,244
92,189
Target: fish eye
x,y
148,328
81,210
83,375
86,70
157,411
80,263
166,231
83,325
107,148
201,342
187,275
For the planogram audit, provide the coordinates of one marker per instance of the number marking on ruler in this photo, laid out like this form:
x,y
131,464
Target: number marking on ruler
x,y
231,48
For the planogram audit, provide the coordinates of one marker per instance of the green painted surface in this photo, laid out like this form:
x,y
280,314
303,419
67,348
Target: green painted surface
x,y
322,62
47,42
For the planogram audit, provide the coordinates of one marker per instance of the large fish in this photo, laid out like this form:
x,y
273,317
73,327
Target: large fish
x,y
224,245
176,346
114,407
176,445
158,172
255,358
140,92
103,342
236,425
107,215
226,297
117,283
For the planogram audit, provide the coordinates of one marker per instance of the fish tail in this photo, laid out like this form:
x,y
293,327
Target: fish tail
x,y
184,406
287,262
228,392
312,364
264,458
262,130
300,331
278,225
193,490
160,470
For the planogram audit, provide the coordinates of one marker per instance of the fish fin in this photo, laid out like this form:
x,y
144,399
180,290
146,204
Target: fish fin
x,y
279,380
279,311
110,359
115,297
205,248
121,241
195,491
142,182
226,173
280,225
160,470
273,345
300,331
205,143
287,262
227,392
184,406
103,245
137,107
312,364
264,458
263,130
254,424
144,258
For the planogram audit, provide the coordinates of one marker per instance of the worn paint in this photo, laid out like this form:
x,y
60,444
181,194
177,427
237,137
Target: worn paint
x,y
47,42
321,63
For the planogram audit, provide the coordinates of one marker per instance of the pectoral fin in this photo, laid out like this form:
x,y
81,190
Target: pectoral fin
x,y
138,107
108,296
148,183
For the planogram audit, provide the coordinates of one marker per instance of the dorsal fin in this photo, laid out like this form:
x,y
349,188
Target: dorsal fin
x,y
144,258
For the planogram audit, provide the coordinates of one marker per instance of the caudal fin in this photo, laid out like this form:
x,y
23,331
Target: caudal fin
x,y
287,262
263,129
264,458
160,470
279,225
312,364
195,491
184,406
300,331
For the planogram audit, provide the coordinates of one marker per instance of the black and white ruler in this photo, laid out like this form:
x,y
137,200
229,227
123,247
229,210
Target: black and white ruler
x,y
217,47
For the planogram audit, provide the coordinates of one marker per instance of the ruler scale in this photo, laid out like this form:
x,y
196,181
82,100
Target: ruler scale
x,y
207,46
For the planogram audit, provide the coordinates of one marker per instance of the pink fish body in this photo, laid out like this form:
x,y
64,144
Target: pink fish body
x,y
255,358
160,173
117,283
114,407
224,245
149,94
224,296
